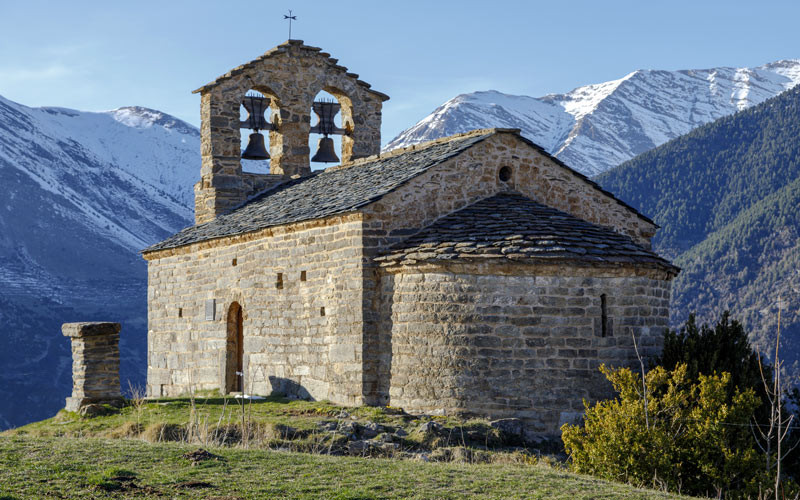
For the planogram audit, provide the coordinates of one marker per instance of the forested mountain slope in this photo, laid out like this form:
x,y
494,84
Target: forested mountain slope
x,y
727,198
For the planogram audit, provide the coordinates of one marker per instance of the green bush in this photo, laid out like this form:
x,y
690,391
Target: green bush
x,y
694,438
723,348
726,347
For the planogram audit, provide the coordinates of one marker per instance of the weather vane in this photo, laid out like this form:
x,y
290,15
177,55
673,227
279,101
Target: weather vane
x,y
291,18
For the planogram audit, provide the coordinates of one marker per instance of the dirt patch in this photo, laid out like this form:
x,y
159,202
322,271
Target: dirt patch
x,y
126,483
193,485
200,455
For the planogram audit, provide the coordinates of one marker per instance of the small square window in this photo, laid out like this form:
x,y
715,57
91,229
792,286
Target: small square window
x,y
233,262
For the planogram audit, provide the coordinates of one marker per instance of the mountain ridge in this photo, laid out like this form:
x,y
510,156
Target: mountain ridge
x,y
83,193
598,126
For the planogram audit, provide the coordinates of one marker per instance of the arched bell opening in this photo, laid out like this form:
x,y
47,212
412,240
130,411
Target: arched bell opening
x,y
346,123
234,349
328,132
258,117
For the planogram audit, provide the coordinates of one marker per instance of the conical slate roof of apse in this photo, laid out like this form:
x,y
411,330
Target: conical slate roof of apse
x,y
509,226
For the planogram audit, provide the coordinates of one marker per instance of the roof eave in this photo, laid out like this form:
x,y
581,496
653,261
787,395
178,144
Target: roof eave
x,y
390,261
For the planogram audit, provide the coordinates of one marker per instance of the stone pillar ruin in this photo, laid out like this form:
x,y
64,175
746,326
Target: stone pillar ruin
x,y
95,364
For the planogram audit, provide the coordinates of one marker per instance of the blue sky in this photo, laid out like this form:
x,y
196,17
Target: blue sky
x,y
94,55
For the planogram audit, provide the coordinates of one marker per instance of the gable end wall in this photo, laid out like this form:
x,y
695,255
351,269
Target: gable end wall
x,y
473,175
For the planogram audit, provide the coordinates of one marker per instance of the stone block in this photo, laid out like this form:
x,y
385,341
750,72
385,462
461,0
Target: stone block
x,y
342,353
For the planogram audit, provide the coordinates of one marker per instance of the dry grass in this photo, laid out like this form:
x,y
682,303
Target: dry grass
x,y
163,432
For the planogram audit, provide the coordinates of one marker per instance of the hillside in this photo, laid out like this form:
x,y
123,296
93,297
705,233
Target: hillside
x,y
596,127
81,194
727,197
295,449
97,468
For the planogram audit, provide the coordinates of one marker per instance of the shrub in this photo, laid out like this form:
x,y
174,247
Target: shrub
x,y
694,437
726,347
723,348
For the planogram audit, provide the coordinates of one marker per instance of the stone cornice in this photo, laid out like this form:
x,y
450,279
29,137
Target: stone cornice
x,y
503,267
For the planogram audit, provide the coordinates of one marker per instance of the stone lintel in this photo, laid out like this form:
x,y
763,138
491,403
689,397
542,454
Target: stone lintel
x,y
89,329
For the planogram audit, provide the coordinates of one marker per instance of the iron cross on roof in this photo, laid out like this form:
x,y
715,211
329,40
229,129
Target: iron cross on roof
x,y
291,18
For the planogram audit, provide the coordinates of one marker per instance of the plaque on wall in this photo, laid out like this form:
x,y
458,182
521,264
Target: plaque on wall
x,y
211,309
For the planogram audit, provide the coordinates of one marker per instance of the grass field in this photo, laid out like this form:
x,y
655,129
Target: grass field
x,y
36,467
211,411
294,449
275,422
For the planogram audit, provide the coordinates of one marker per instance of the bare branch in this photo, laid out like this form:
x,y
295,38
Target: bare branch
x,y
644,382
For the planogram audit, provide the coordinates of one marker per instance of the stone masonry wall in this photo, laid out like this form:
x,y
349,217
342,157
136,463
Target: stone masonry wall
x,y
514,345
291,75
460,182
95,364
473,175
303,338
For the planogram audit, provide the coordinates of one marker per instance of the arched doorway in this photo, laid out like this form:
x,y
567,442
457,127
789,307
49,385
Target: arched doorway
x,y
234,352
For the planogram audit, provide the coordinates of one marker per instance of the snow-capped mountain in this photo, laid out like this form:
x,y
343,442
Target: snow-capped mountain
x,y
596,127
80,195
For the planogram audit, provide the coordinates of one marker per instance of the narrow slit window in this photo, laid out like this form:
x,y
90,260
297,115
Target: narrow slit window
x,y
180,312
279,281
322,311
302,275
233,262
603,316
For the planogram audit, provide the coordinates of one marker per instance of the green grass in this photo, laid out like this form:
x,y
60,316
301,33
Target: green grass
x,y
47,467
170,419
214,410
126,453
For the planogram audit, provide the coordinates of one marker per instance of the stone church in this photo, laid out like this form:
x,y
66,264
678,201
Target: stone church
x,y
473,275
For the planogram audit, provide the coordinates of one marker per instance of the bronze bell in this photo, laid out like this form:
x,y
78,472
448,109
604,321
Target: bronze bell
x,y
325,152
255,149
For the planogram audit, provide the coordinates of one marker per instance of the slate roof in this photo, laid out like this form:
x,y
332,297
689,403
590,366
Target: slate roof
x,y
330,192
343,189
511,226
